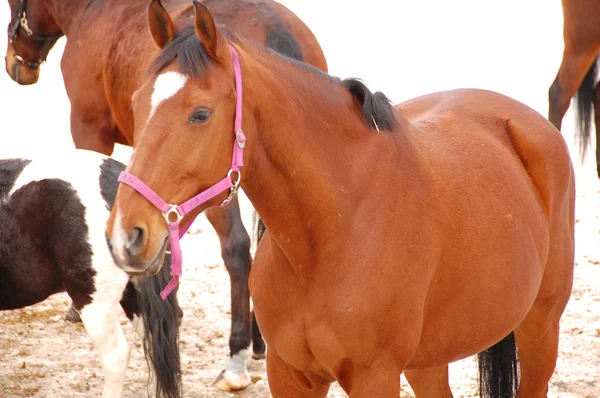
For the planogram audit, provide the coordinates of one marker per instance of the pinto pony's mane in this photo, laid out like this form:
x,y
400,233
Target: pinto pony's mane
x,y
193,60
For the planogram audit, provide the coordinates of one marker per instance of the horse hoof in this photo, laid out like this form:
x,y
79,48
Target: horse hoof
x,y
232,381
73,315
259,355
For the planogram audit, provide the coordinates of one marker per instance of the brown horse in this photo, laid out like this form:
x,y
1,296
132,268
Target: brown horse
x,y
398,239
105,60
578,73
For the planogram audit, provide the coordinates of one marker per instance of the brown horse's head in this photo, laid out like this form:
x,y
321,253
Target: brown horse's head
x,y
183,139
31,34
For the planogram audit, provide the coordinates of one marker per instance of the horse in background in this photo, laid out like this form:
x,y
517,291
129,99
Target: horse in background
x,y
53,213
468,197
105,60
578,73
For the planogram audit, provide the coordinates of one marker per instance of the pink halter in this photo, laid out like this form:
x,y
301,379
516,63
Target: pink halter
x,y
175,233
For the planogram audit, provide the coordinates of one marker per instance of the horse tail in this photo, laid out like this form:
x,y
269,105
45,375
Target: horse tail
x,y
283,42
584,106
161,332
499,369
258,228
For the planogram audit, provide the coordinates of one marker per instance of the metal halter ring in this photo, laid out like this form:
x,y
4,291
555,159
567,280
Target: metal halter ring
x,y
235,183
172,210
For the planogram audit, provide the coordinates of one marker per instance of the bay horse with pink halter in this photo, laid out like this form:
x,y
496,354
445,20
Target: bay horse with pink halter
x,y
399,239
106,57
577,76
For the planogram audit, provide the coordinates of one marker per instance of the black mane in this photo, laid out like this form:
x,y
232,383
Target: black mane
x,y
188,50
377,110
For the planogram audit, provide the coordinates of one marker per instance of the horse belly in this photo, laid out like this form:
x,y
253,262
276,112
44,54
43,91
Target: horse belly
x,y
488,278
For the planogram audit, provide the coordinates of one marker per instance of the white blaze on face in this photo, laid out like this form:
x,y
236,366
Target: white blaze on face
x,y
166,86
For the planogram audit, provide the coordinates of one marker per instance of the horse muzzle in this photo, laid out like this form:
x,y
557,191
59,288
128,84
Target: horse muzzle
x,y
19,71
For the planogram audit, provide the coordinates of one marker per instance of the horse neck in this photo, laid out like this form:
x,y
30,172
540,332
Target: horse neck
x,y
65,13
298,170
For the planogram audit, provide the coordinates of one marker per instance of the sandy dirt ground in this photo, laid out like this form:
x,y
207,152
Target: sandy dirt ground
x,y
462,44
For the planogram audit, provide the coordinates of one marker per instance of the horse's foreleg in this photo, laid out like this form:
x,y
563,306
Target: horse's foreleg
x,y
101,322
429,383
235,249
285,382
379,380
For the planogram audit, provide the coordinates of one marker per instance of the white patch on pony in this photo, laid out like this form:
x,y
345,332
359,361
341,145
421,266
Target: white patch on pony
x,y
81,169
166,85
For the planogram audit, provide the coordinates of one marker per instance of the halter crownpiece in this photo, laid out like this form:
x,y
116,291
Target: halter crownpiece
x,y
167,209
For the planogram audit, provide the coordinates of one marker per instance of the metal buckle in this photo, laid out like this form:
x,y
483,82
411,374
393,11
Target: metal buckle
x,y
25,25
240,142
234,186
172,210
229,198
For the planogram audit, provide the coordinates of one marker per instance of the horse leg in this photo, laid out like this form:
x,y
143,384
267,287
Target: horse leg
x,y
91,131
258,344
597,123
100,316
286,382
101,322
72,314
235,250
430,383
573,69
537,343
376,381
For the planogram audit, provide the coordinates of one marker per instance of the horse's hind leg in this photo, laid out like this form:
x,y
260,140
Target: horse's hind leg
x,y
537,335
537,343
574,66
235,249
429,383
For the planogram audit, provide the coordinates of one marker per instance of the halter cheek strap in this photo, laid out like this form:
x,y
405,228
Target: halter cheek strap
x,y
21,22
179,211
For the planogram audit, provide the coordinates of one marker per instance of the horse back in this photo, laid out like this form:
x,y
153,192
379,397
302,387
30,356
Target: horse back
x,y
476,124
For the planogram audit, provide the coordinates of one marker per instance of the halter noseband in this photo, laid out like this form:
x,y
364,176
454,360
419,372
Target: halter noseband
x,y
20,22
179,211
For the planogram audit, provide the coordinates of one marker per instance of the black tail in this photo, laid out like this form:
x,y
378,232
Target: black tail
x,y
161,332
499,369
584,107
284,43
259,228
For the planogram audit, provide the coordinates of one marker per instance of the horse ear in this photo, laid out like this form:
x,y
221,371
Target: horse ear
x,y
160,23
211,38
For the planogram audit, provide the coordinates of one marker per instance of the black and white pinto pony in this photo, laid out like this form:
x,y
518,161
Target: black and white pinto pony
x,y
53,215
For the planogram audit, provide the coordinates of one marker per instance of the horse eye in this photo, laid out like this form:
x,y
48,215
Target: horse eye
x,y
200,115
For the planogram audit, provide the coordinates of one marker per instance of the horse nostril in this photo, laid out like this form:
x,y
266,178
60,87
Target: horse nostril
x,y
135,242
